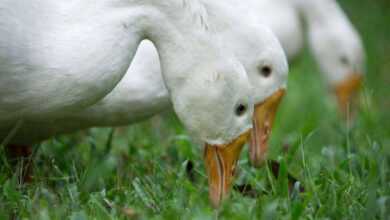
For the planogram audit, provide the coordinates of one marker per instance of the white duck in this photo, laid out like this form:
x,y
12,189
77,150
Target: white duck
x,y
333,40
255,46
58,57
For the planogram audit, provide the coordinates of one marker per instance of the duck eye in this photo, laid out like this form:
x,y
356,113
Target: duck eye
x,y
240,109
344,60
266,71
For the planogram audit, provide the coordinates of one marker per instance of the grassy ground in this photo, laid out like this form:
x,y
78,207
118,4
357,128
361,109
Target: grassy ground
x,y
141,171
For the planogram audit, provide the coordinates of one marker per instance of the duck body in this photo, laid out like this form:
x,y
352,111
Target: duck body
x,y
142,93
53,54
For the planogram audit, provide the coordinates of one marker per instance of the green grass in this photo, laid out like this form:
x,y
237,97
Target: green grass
x,y
142,168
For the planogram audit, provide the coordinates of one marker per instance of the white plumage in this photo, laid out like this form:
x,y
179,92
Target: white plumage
x,y
333,39
59,57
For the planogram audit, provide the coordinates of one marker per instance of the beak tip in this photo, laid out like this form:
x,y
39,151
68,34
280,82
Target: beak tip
x,y
220,165
215,202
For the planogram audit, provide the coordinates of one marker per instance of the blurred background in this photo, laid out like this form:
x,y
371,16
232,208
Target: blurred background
x,y
153,170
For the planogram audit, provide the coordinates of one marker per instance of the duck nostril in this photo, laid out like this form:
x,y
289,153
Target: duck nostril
x,y
266,71
241,109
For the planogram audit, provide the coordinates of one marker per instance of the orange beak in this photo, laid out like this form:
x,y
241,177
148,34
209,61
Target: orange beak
x,y
220,165
263,119
346,92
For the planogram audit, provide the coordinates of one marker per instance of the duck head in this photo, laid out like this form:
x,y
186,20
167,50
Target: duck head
x,y
265,62
267,70
215,104
339,52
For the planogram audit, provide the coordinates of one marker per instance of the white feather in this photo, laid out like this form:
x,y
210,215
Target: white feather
x,y
58,57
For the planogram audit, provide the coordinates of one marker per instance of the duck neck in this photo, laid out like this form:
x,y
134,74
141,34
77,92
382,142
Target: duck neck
x,y
317,12
180,32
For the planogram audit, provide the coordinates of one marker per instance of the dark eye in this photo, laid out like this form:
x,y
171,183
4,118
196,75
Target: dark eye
x,y
241,109
344,60
266,71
